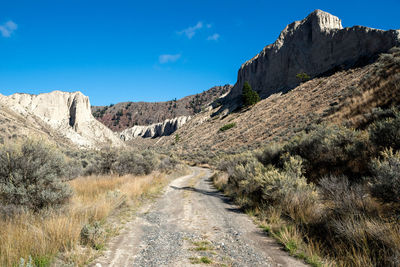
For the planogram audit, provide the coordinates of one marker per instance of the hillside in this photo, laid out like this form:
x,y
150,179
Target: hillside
x,y
346,96
125,115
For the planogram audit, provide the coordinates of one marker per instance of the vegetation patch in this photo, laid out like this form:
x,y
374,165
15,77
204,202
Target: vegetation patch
x,y
203,245
227,127
200,260
67,220
330,195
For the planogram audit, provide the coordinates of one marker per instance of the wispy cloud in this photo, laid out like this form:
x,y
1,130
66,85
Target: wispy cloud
x,y
191,31
8,28
168,58
213,37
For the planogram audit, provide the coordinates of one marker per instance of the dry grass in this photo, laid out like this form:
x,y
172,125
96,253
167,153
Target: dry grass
x,y
57,233
220,180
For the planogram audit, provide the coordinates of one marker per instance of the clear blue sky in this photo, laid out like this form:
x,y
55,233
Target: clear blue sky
x,y
116,51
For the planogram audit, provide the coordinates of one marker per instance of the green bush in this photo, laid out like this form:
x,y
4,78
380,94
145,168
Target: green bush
x,y
303,77
249,96
31,176
227,127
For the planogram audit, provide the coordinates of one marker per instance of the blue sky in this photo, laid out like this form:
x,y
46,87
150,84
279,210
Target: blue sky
x,y
116,51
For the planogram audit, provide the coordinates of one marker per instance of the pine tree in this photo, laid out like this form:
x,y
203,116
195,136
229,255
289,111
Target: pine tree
x,y
249,96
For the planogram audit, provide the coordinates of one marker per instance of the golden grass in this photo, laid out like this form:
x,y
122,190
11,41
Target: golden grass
x,y
43,236
220,180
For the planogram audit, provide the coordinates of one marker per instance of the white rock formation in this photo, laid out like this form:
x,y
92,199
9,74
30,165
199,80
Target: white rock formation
x,y
155,130
67,113
315,45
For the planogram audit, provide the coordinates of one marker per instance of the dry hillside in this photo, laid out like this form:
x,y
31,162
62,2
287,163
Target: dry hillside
x,y
345,96
124,115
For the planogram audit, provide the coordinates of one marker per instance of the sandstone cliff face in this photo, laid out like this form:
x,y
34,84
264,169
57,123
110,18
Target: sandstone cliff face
x,y
314,45
67,113
155,130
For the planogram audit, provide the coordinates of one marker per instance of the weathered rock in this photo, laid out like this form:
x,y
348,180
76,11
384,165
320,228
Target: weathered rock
x,y
68,113
315,45
155,130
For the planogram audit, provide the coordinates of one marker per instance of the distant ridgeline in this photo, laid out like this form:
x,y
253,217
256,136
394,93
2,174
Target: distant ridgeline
x,y
125,115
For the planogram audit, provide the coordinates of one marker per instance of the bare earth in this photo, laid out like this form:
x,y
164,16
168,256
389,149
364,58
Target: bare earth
x,y
189,221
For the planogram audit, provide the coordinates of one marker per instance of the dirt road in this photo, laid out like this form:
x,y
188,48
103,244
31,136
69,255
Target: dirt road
x,y
192,223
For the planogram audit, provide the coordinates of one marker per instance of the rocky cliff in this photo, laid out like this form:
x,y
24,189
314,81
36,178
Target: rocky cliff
x,y
155,130
67,113
315,45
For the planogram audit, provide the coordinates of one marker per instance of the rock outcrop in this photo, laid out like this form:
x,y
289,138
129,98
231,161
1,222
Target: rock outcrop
x,y
315,45
67,113
155,130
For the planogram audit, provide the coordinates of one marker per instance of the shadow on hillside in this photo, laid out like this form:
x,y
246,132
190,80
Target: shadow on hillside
x,y
214,193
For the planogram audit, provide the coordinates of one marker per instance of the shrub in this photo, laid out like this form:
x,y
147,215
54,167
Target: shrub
x,y
282,185
92,235
131,162
303,77
108,158
332,150
271,154
31,176
386,180
249,96
386,133
167,163
227,127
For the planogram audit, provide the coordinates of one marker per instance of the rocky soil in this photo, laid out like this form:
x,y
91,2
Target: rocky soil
x,y
193,223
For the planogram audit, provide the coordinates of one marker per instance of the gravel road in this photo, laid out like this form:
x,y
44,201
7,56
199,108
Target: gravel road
x,y
192,223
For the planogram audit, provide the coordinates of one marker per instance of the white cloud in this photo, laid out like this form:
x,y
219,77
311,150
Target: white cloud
x,y
191,31
213,37
167,58
8,28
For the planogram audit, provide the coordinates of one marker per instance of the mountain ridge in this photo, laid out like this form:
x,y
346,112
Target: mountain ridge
x,y
124,115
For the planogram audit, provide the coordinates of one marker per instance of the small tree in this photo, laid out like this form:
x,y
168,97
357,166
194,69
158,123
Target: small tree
x,y
249,96
303,77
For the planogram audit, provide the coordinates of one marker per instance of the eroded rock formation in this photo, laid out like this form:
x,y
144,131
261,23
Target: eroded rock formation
x,y
67,113
155,130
